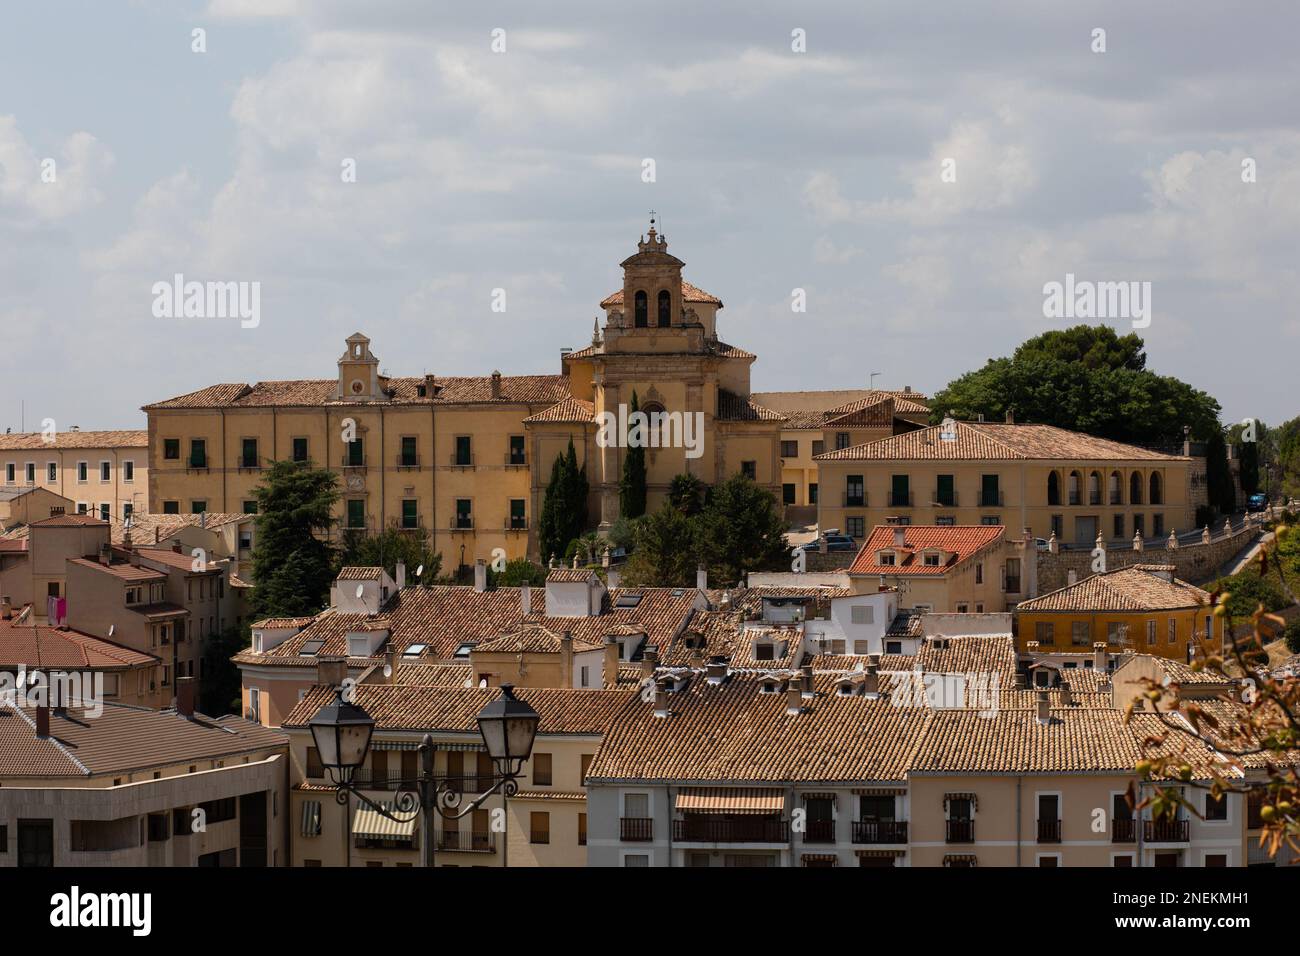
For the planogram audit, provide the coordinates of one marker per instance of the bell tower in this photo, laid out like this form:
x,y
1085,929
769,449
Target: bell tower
x,y
358,370
652,285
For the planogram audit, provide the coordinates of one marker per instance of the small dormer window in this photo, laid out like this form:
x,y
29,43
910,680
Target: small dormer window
x,y
764,652
930,559
770,687
844,689
885,558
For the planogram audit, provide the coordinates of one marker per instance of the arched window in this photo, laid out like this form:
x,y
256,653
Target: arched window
x,y
1135,488
1076,488
1116,488
1094,488
641,313
1053,488
658,433
1155,488
665,309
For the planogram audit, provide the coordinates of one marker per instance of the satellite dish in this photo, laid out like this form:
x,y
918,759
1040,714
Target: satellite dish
x,y
111,629
419,572
361,589
388,670
482,685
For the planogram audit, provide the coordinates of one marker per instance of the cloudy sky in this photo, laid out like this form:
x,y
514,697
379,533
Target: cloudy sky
x,y
522,170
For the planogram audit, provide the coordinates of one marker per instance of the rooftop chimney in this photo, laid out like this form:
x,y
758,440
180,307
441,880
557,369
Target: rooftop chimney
x,y
649,658
390,664
42,721
1011,414
480,575
794,699
185,696
1100,657
715,672
702,577
1044,708
6,610
400,572
871,681
331,671
525,600
566,659
659,699
806,679
496,384
900,537
610,662
105,554
1067,698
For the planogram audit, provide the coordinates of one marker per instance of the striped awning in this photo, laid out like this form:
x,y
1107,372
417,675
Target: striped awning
x,y
818,796
880,854
376,826
879,791
974,803
311,818
730,800
959,859
820,859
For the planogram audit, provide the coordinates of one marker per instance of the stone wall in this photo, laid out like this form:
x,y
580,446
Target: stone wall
x,y
1197,563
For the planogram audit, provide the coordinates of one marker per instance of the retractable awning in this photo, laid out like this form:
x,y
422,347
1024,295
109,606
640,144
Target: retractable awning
x,y
730,800
376,826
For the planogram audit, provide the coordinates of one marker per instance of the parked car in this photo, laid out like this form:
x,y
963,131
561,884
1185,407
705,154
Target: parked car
x,y
834,542
1257,502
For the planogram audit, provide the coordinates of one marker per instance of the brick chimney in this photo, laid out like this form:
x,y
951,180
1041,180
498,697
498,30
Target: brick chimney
x,y
400,572
566,660
806,680
609,668
1100,657
496,384
702,577
1011,414
1067,698
185,696
794,698
390,663
1044,707
42,721
331,671
525,600
480,575
649,660
871,682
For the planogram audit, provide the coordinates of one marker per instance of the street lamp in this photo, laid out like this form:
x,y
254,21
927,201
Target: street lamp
x,y
342,732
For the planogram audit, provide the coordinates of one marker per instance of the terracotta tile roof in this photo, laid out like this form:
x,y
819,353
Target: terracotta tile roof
x,y
121,569
874,412
737,408
433,675
69,521
568,795
877,408
1127,589
959,542
731,733
282,622
121,739
477,389
906,623
48,647
148,528
723,634
455,709
985,441
360,574
569,576
13,545
529,639
993,654
180,560
690,293
570,410
720,349
131,438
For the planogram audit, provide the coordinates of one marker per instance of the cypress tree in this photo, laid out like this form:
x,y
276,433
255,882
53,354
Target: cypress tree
x,y
632,491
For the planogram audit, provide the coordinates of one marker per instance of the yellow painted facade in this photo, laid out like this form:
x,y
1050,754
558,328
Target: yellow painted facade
x,y
1166,633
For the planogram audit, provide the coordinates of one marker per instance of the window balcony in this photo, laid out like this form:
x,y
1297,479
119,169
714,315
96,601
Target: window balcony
x,y
959,831
516,461
854,499
462,524
1122,831
461,461
516,524
466,842
408,461
819,831
352,462
879,831
1049,831
1165,831
732,830
900,499
996,499
945,500
636,829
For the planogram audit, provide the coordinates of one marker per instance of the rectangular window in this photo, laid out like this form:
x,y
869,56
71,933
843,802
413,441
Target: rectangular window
x,y
1151,633
464,451
854,493
518,514
105,472
856,527
126,511
945,493
30,472
248,453
812,493
198,507
1058,526
198,453
410,513
818,447
541,770
990,494
52,472
171,449
128,471
300,449
841,440
749,469
582,829
83,471
409,457
1139,525
990,520
863,614
356,453
539,827
171,507
1013,576
105,510
517,456
900,492
11,472
787,494
1216,809
789,449
464,514
250,506
1158,526
356,513
1079,633
1045,632
1118,527
1173,631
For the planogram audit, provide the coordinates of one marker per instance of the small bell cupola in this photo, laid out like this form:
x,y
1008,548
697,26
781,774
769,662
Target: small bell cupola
x,y
358,370
652,284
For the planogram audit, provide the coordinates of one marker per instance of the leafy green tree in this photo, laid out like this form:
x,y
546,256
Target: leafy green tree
x,y
632,489
667,550
740,530
1249,467
1247,590
686,493
293,564
1087,379
1218,479
220,689
412,548
518,572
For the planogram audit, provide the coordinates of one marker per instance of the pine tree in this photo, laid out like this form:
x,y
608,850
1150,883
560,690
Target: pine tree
x,y
632,490
1218,478
293,563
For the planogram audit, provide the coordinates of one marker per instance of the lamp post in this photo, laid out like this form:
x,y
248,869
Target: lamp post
x,y
342,732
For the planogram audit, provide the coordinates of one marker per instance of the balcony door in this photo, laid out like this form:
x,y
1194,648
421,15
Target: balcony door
x,y
35,842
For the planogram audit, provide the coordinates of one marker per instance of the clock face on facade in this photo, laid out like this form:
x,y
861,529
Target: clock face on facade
x,y
357,386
